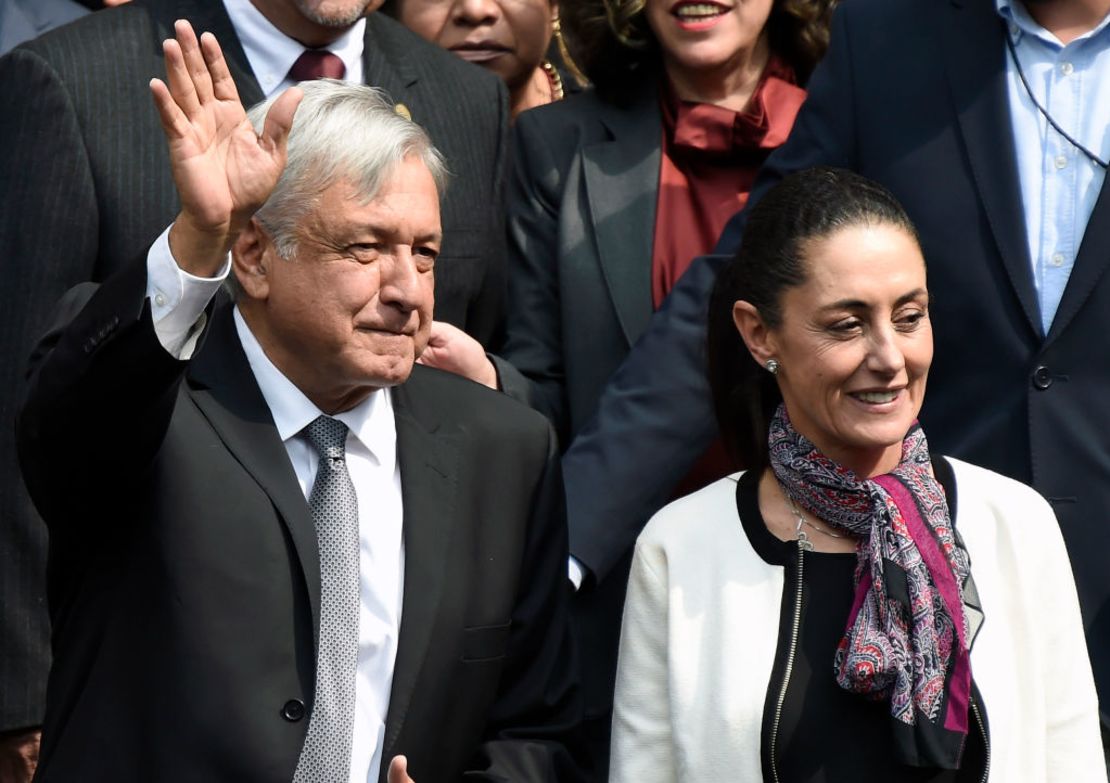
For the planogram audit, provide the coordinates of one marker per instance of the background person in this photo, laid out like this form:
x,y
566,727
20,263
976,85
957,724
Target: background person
x,y
511,38
258,516
812,620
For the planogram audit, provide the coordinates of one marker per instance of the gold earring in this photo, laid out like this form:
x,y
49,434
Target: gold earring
x,y
564,52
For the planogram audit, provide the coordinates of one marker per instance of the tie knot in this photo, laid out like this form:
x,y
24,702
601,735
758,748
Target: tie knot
x,y
317,64
328,436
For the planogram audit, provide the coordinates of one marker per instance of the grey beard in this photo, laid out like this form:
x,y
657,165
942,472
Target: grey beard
x,y
331,20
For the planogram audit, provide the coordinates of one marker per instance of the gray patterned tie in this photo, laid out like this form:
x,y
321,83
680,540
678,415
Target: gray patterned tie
x,y
326,756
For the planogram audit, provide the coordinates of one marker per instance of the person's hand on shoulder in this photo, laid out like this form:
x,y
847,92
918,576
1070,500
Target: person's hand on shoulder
x,y
453,350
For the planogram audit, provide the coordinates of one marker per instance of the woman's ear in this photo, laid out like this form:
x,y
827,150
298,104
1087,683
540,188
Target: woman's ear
x,y
755,333
251,255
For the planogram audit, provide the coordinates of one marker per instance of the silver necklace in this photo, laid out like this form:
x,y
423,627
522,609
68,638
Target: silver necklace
x,y
802,523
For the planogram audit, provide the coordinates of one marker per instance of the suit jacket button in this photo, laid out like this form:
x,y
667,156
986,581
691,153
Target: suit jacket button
x,y
1042,378
293,710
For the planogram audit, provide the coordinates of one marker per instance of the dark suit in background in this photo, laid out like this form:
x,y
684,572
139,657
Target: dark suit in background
x,y
581,215
85,183
912,94
185,580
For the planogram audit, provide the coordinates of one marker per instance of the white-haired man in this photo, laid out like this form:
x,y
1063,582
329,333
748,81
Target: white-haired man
x,y
210,624
85,186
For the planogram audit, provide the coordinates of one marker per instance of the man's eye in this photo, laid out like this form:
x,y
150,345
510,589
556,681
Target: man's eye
x,y
362,250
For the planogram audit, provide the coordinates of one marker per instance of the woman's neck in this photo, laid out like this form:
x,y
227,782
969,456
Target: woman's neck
x,y
536,91
730,85
781,518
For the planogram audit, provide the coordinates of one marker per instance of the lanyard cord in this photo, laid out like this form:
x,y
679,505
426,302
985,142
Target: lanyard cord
x,y
1044,112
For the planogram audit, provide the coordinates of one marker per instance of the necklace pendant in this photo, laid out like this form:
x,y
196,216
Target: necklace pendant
x,y
803,542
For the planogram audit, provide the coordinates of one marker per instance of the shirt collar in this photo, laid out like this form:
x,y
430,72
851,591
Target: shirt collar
x,y
371,421
1019,22
271,53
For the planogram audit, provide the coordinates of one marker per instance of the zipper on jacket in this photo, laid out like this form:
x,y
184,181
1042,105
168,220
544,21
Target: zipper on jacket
x,y
796,625
986,741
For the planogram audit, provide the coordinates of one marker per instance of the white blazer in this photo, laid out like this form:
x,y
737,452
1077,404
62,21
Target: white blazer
x,y
702,619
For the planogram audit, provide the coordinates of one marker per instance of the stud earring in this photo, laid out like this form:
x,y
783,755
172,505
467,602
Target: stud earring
x,y
772,366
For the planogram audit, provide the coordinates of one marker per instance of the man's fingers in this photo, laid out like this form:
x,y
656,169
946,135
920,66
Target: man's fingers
x,y
194,60
279,119
178,79
399,770
223,86
174,122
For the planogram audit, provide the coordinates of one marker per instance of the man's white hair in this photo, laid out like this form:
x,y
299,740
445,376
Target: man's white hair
x,y
340,132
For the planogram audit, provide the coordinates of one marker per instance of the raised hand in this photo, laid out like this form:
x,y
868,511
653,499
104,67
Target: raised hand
x,y
223,170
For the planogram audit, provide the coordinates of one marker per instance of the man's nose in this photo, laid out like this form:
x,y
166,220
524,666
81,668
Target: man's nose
x,y
400,281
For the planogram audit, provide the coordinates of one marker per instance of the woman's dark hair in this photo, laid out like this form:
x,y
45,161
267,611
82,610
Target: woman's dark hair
x,y
808,205
612,42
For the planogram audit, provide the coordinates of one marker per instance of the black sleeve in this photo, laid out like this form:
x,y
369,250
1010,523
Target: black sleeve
x,y
534,344
100,395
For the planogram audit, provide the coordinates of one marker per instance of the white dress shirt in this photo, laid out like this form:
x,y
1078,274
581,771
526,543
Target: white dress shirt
x,y
177,301
271,53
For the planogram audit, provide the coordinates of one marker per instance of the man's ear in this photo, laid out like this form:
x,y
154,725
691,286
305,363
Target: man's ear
x,y
755,333
251,256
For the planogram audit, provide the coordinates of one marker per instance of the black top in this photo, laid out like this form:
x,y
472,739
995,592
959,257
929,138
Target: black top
x,y
826,734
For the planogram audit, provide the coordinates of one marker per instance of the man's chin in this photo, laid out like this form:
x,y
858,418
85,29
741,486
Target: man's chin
x,y
338,15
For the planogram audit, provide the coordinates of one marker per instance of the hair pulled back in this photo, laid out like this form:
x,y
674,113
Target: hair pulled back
x,y
808,205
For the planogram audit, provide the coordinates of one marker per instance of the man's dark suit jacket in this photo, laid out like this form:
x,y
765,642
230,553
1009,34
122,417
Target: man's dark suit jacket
x,y
85,186
184,573
912,94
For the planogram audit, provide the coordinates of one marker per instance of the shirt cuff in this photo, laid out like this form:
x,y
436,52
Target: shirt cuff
x,y
177,298
575,572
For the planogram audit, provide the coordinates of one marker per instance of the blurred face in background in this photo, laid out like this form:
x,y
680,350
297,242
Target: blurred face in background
x,y
507,37
703,37
315,22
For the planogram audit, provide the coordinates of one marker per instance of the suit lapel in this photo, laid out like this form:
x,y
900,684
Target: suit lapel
x,y
1090,263
976,69
428,461
211,16
381,65
622,186
226,392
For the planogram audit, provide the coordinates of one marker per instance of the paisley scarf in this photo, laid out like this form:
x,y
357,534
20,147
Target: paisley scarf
x,y
906,639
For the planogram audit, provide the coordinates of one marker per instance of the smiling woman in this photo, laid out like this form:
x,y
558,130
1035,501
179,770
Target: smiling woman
x,y
820,617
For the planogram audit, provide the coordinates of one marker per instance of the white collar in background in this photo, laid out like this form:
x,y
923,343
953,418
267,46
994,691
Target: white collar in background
x,y
271,53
